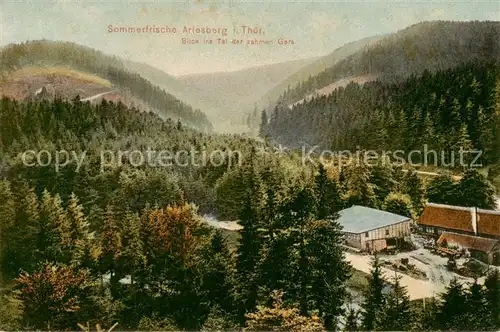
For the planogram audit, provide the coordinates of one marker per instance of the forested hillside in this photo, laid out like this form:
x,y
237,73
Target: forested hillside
x,y
117,240
48,53
432,46
446,110
229,95
315,68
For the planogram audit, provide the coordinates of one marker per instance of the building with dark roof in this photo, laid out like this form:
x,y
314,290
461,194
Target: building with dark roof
x,y
476,230
373,230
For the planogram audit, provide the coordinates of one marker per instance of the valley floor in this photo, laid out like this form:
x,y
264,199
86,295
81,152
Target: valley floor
x,y
438,277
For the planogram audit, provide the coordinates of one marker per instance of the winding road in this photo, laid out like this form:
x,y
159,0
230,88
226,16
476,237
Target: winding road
x,y
97,95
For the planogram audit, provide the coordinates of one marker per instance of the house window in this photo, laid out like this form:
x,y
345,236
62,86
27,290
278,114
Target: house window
x,y
386,232
366,234
367,245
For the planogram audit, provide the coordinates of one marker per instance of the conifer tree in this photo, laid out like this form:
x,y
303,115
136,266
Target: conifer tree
x,y
426,319
7,218
492,297
382,179
110,247
463,147
351,320
218,274
453,308
297,213
477,312
250,242
24,231
372,307
360,190
327,194
263,124
327,270
131,258
397,314
414,187
80,236
53,232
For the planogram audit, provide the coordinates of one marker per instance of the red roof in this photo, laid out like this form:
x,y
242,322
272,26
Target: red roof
x,y
461,218
447,216
488,222
470,242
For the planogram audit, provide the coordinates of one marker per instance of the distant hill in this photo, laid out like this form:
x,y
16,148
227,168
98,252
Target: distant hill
x,y
66,68
170,83
433,46
434,83
231,94
316,67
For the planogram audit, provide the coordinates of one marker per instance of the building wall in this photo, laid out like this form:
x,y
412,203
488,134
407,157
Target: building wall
x,y
375,240
437,231
353,240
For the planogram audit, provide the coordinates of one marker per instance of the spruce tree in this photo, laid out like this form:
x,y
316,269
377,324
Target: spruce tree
x,y
327,194
250,242
397,314
297,212
131,259
414,187
477,312
7,218
327,271
80,247
360,190
22,238
351,320
263,130
381,176
372,307
53,230
453,308
218,274
492,297
110,247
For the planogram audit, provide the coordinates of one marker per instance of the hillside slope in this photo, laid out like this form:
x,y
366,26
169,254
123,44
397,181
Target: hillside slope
x,y
231,94
444,112
316,68
37,55
433,46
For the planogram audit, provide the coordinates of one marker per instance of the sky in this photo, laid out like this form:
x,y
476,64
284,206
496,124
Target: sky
x,y
315,27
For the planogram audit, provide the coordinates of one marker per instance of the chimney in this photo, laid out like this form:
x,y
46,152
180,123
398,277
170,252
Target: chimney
x,y
473,212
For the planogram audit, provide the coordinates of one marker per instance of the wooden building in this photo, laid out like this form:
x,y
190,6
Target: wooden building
x,y
476,230
372,230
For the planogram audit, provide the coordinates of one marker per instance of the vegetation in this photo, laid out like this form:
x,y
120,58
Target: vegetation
x,y
432,46
438,115
105,238
43,53
387,307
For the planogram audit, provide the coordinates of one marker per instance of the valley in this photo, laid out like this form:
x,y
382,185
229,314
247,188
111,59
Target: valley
x,y
193,206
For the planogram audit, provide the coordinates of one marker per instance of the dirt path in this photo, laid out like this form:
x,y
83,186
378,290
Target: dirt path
x,y
417,289
455,177
97,95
